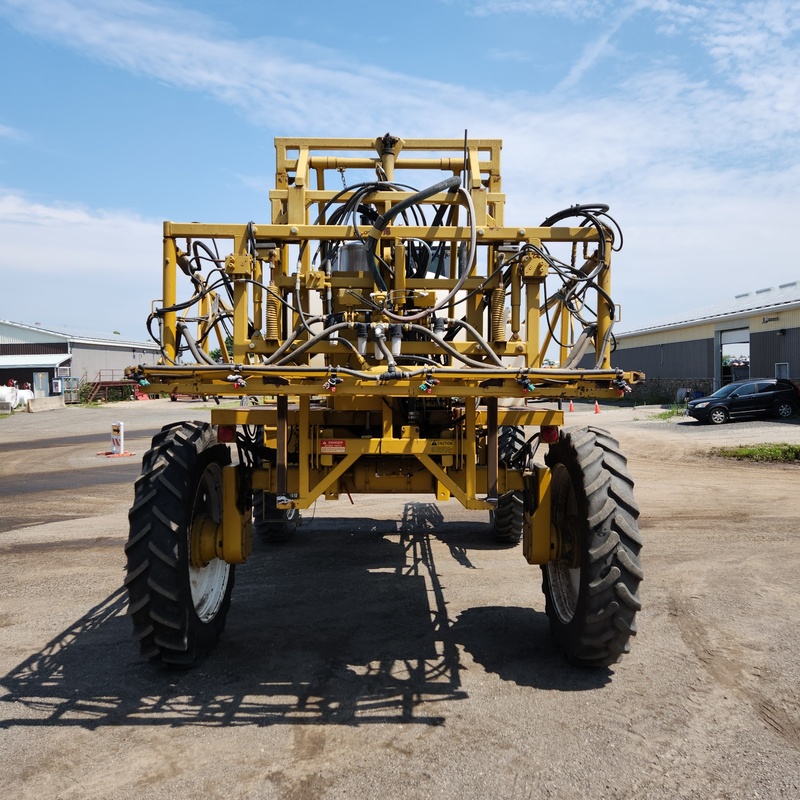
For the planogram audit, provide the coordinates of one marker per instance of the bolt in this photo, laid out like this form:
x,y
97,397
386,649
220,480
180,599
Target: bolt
x,y
293,229
521,232
480,231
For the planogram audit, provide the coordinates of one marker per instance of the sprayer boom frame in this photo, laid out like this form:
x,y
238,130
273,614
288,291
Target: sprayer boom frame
x,y
434,334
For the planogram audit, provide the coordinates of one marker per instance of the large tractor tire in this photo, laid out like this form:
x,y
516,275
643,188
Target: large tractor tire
x,y
178,609
271,524
592,589
506,521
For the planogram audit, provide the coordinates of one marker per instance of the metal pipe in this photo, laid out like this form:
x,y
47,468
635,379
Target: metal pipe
x,y
480,372
169,299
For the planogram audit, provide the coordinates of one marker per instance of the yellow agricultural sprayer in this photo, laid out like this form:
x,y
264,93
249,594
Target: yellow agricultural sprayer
x,y
384,338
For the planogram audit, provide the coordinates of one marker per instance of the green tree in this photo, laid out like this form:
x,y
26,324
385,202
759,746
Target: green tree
x,y
216,354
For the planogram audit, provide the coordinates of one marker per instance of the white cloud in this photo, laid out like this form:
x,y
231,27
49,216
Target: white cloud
x,y
275,82
700,168
569,8
267,79
7,132
42,238
59,262
595,50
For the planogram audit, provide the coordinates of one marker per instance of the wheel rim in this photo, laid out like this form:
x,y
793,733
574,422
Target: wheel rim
x,y
784,410
564,575
208,583
718,415
564,587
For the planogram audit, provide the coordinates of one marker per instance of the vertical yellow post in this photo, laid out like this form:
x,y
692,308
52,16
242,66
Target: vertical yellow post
x,y
258,296
241,335
566,332
536,530
399,267
533,292
471,446
170,295
603,317
203,328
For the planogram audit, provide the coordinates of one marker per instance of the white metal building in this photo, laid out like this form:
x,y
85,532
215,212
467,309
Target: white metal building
x,y
689,347
39,356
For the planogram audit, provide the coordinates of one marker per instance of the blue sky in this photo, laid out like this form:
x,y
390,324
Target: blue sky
x,y
115,115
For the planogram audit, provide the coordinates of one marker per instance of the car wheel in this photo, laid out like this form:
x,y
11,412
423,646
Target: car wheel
x,y
717,416
785,410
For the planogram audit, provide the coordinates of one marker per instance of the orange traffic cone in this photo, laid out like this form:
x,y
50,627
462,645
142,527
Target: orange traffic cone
x,y
596,407
571,406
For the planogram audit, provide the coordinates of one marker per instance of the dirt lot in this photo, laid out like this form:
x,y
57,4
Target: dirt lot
x,y
391,650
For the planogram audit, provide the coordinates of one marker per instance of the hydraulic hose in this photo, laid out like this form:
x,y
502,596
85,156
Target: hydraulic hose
x,y
380,338
292,336
383,220
445,345
199,354
588,211
324,334
460,323
462,278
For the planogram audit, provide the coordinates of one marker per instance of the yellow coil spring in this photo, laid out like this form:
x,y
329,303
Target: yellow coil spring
x,y
273,312
497,308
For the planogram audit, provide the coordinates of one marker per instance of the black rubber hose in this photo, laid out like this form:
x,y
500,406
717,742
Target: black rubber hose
x,y
383,220
574,211
587,211
447,185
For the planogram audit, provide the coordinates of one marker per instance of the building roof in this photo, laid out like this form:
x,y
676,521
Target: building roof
x,y
79,336
48,361
786,295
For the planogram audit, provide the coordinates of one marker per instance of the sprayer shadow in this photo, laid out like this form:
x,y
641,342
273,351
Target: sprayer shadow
x,y
346,625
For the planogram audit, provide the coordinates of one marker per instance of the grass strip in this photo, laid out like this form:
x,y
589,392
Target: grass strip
x,y
782,453
673,411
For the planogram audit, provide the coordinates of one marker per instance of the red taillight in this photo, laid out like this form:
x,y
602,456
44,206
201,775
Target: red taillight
x,y
226,434
548,434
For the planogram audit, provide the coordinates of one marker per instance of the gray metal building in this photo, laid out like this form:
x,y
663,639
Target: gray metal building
x,y
688,348
39,356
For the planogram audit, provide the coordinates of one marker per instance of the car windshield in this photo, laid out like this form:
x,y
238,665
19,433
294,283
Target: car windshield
x,y
726,390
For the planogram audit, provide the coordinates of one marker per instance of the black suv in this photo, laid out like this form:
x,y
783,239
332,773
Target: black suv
x,y
754,397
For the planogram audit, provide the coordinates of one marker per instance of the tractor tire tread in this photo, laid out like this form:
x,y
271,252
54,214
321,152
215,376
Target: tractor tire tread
x,y
159,598
604,618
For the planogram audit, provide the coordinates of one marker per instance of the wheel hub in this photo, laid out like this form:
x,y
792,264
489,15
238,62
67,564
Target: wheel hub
x,y
208,575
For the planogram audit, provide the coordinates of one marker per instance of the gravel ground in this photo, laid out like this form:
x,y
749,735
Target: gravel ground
x,y
391,649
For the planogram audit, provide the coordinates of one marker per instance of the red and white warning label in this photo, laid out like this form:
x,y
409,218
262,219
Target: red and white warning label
x,y
329,446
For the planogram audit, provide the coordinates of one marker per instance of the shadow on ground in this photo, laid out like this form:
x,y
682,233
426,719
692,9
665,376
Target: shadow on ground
x,y
346,625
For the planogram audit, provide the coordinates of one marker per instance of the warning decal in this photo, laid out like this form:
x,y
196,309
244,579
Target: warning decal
x,y
442,446
327,446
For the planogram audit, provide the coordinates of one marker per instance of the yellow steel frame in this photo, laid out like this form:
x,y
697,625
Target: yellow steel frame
x,y
271,275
